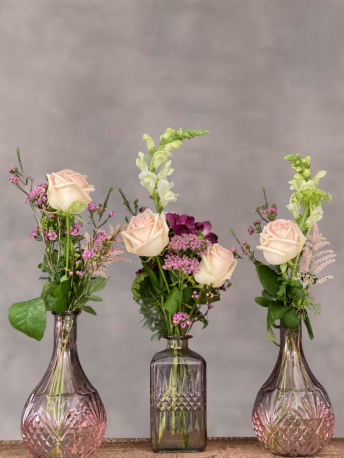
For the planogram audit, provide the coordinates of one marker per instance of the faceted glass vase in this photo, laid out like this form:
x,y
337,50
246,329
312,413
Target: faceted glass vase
x,y
64,416
292,414
178,399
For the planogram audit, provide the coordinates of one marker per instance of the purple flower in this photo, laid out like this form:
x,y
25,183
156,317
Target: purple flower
x,y
181,224
51,216
52,236
78,262
250,230
142,209
111,214
33,235
205,229
183,325
233,249
184,224
87,254
79,273
91,207
189,323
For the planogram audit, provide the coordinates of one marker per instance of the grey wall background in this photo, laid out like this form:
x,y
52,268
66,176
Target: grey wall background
x,y
81,82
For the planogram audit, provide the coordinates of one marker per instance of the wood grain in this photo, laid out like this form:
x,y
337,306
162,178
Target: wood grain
x,y
218,447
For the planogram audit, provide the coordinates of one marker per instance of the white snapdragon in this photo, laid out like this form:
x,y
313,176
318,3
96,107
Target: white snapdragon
x,y
148,180
142,161
165,170
165,193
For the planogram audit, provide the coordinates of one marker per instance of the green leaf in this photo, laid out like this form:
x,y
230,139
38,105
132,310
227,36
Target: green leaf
x,y
187,295
48,288
308,324
267,294
29,317
263,301
98,284
296,291
62,290
95,298
277,311
271,336
268,278
155,283
215,298
62,279
88,309
172,301
291,319
57,304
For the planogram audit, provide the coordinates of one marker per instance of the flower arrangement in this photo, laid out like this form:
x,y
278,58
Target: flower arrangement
x,y
293,250
74,263
183,267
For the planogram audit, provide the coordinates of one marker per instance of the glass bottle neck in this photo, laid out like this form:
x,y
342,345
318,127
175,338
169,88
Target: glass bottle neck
x,y
291,339
178,343
65,333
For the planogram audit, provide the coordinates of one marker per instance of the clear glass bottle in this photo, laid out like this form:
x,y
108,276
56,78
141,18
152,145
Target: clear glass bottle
x,y
178,398
292,414
64,416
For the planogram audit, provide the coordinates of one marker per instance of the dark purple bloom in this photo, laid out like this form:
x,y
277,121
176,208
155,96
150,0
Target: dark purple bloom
x,y
181,224
205,229
184,224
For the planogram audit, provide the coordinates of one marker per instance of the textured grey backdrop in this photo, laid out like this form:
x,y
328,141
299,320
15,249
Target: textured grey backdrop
x,y
81,81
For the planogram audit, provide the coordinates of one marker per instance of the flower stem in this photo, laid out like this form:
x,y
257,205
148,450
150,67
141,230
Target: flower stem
x,y
68,242
162,273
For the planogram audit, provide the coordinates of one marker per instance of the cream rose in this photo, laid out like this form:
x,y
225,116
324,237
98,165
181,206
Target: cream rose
x,y
281,241
69,191
147,234
216,266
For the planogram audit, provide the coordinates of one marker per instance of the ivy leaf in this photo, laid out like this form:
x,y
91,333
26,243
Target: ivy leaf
x,y
172,301
29,317
291,319
308,324
95,298
88,309
268,278
98,284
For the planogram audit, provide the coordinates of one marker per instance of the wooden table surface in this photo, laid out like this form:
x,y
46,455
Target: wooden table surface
x,y
218,447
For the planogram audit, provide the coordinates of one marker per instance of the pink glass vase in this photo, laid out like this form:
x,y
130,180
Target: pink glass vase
x,y
292,414
64,416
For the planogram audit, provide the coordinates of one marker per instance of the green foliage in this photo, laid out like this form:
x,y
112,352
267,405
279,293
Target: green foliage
x,y
263,301
150,305
88,309
98,284
95,298
29,317
155,282
172,302
291,319
57,263
268,278
310,196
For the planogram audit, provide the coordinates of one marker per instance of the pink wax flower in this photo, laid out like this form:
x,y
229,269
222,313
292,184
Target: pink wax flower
x,y
91,207
250,230
87,254
111,214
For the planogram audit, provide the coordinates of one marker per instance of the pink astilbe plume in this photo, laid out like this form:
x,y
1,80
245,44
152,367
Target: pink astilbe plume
x,y
311,262
102,255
